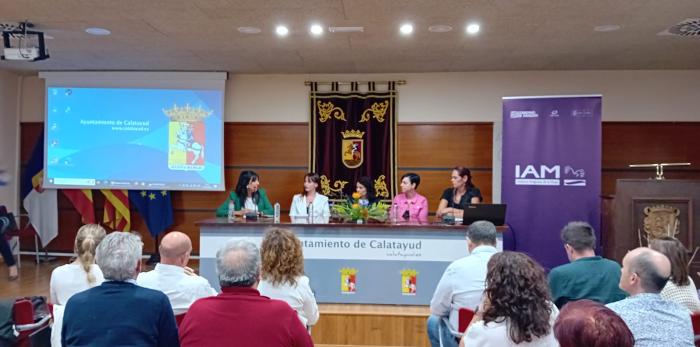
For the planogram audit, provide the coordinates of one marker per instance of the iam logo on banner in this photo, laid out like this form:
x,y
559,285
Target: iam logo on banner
x,y
352,148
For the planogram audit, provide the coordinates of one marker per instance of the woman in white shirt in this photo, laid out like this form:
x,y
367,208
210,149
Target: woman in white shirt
x,y
680,288
283,274
310,202
80,275
516,309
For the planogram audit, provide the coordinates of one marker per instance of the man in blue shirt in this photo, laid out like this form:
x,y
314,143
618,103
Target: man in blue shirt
x,y
118,312
654,321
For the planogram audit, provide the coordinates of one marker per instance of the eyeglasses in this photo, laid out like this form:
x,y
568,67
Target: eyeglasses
x,y
406,215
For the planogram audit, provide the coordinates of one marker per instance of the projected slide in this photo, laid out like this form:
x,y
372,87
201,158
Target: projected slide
x,y
126,138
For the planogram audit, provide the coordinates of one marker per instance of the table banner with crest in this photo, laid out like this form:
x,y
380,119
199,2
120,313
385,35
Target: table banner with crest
x,y
353,134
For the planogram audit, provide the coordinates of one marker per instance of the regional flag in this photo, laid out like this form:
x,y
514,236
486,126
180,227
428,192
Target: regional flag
x,y
116,211
83,203
155,207
41,204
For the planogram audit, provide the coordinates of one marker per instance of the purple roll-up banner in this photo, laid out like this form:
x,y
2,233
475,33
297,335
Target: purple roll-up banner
x,y
551,170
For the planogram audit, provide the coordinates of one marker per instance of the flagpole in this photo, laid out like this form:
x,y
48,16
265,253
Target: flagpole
x,y
155,256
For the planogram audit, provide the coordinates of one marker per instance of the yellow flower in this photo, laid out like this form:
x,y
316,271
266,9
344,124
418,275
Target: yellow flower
x,y
355,206
356,195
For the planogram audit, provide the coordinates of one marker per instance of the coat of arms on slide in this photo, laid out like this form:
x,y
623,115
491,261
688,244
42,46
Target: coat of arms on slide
x,y
352,148
348,280
186,137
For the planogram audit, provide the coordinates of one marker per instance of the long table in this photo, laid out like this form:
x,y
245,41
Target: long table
x,y
355,263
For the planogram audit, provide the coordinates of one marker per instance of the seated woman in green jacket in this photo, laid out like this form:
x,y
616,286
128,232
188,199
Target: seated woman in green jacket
x,y
248,197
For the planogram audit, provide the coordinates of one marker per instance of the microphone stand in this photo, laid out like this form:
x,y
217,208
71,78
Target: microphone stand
x,y
155,256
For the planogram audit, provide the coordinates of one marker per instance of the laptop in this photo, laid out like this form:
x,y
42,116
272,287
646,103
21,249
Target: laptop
x,y
494,213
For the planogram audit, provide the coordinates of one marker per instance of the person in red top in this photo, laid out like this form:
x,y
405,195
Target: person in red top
x,y
240,316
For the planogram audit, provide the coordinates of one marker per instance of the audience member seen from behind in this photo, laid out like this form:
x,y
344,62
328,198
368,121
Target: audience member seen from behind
x,y
586,323
365,187
81,274
283,274
462,193
172,276
516,309
587,276
240,316
409,205
8,223
310,200
118,312
653,320
680,288
248,197
462,285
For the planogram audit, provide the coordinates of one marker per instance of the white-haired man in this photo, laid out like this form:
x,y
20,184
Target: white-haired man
x,y
118,312
240,316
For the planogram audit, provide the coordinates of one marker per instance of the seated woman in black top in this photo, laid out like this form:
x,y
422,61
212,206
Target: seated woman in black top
x,y
365,187
462,194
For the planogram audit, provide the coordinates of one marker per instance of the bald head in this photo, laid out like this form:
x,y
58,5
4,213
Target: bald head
x,y
175,249
652,268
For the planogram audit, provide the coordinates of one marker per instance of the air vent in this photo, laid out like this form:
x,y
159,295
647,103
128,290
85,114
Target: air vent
x,y
689,27
346,29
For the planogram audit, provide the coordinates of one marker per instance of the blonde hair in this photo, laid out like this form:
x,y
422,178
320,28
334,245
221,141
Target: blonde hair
x,y
282,257
86,241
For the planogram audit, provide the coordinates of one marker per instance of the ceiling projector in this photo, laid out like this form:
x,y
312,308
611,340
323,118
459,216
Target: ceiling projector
x,y
22,54
21,44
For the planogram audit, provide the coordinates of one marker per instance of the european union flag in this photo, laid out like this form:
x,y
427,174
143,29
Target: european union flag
x,y
155,207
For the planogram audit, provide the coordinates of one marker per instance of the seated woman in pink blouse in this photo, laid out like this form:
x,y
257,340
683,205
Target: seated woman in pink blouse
x,y
409,205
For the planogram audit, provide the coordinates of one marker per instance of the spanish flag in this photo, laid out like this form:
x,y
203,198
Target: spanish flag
x,y
116,212
83,203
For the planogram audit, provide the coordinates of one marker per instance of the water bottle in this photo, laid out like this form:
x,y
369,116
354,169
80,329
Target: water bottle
x,y
310,217
231,210
394,213
277,212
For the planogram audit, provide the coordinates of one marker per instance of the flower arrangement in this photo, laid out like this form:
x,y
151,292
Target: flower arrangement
x,y
357,210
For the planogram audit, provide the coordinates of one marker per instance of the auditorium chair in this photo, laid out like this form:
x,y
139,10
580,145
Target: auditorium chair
x,y
179,318
695,318
23,315
465,317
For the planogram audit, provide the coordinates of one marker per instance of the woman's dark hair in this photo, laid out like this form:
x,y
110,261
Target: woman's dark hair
x,y
463,171
413,178
313,177
586,323
244,179
517,292
367,183
674,250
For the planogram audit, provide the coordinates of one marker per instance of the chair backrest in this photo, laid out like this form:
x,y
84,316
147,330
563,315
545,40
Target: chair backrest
x,y
695,319
179,318
23,313
464,318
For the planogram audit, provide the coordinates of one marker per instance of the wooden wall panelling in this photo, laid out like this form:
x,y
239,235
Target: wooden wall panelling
x,y
445,145
266,144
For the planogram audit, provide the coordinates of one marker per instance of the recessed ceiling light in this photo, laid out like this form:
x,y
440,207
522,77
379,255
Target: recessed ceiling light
x,y
607,27
440,28
249,30
406,29
316,29
473,29
98,31
282,30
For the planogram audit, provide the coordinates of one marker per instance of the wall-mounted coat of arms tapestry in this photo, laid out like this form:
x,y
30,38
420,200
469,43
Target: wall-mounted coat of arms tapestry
x,y
353,134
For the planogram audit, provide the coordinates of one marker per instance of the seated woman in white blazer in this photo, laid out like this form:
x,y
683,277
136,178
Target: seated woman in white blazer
x,y
310,202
